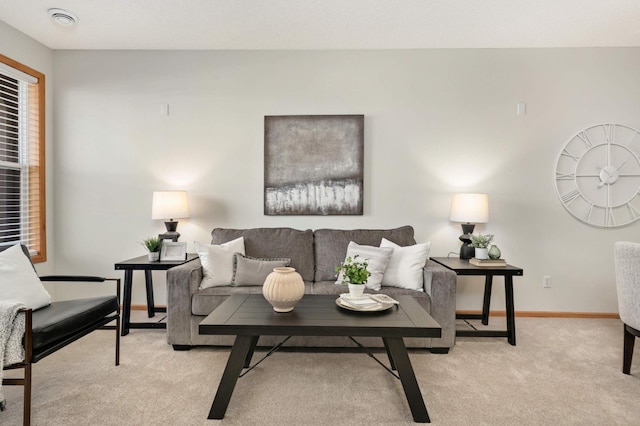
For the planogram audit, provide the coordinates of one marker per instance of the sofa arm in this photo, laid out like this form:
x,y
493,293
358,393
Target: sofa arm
x,y
182,283
440,285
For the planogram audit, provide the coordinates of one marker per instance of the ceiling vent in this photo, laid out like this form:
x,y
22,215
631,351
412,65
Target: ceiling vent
x,y
62,17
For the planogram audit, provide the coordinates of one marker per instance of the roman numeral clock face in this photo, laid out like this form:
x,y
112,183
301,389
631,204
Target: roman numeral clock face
x,y
598,175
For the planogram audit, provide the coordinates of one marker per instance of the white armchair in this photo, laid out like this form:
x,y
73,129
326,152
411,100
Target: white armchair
x,y
627,267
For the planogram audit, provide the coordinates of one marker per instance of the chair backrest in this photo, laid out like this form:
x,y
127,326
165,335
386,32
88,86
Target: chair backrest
x,y
627,267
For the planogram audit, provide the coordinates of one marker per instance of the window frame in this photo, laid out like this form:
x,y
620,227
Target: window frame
x,y
39,249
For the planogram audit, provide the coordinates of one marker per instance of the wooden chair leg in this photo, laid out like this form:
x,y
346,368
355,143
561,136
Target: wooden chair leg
x,y
629,340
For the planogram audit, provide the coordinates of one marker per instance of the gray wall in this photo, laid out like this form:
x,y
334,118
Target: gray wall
x,y
436,122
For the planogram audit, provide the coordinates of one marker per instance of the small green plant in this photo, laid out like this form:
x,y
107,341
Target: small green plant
x,y
481,241
152,244
353,270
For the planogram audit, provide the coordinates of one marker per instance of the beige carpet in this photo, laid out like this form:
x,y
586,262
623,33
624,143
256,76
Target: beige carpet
x,y
563,372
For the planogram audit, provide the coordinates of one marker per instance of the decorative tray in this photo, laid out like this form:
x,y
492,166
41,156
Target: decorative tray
x,y
367,303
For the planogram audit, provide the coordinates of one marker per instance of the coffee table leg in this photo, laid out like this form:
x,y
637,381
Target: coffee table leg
x,y
237,358
391,363
254,342
408,378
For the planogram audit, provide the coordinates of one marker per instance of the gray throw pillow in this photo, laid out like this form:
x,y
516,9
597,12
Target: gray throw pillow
x,y
249,270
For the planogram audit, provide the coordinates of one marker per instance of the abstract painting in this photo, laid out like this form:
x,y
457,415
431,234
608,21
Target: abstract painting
x,y
313,164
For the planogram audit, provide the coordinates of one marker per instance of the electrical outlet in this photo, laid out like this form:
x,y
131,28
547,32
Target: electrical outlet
x,y
546,281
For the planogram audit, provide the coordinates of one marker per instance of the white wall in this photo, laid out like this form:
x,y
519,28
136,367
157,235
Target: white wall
x,y
436,122
29,52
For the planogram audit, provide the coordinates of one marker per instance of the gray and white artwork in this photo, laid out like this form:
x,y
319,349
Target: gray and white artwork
x,y
313,164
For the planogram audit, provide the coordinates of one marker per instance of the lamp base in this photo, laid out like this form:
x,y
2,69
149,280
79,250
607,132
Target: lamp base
x,y
466,251
171,236
171,233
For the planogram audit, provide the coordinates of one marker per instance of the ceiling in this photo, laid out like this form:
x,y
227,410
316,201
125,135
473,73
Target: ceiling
x,y
328,24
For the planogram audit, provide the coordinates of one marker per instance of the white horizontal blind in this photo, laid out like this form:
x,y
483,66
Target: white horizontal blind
x,y
21,219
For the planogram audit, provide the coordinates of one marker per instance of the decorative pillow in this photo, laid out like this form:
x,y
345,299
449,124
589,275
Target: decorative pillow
x,y
249,270
405,266
378,258
217,262
18,280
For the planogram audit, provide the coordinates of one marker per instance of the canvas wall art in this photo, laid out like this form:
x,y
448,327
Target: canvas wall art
x,y
313,164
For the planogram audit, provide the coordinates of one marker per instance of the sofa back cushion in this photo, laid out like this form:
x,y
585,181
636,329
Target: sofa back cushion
x,y
290,243
331,245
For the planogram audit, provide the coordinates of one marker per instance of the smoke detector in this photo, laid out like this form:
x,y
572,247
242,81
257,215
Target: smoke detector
x,y
62,17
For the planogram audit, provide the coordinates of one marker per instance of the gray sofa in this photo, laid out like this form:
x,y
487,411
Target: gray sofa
x,y
314,254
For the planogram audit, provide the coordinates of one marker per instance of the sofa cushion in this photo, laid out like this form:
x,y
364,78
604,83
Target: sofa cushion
x,y
331,245
249,270
290,243
377,259
405,268
205,301
329,287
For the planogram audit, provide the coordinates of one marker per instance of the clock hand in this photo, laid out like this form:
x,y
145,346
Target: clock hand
x,y
618,168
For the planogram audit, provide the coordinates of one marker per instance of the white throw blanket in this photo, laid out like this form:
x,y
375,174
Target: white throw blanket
x,y
11,333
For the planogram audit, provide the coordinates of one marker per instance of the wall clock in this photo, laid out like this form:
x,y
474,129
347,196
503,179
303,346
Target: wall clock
x,y
598,175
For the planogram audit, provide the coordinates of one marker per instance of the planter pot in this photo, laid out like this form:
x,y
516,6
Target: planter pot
x,y
356,290
154,256
482,253
283,288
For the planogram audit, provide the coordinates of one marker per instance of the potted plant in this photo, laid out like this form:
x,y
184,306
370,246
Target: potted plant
x,y
354,274
153,245
481,242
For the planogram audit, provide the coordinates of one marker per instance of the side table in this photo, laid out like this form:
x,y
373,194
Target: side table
x,y
463,267
142,263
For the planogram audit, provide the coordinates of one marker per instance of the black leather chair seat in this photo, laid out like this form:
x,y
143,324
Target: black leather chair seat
x,y
60,320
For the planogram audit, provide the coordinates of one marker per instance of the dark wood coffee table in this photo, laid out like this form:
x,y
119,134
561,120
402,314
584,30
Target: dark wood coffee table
x,y
250,316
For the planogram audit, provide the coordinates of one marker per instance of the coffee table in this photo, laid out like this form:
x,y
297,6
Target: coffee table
x,y
250,316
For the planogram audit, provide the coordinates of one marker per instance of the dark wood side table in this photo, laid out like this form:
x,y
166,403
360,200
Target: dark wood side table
x,y
463,267
142,263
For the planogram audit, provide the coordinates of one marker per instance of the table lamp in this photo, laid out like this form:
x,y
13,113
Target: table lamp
x,y
469,209
170,205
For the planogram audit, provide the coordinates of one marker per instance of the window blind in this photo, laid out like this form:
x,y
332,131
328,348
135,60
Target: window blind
x,y
22,209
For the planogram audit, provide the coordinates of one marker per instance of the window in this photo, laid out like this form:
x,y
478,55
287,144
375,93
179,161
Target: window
x,y
22,179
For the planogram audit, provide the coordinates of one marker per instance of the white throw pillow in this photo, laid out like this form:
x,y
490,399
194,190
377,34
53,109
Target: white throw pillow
x,y
378,259
19,282
217,262
405,266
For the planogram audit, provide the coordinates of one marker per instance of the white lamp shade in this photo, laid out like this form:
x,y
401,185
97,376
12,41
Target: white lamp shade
x,y
169,205
470,208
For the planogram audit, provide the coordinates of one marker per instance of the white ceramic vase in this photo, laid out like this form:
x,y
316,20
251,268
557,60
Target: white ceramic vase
x,y
482,253
356,290
283,289
154,256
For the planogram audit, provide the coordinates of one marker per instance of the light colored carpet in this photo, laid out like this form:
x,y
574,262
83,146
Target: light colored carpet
x,y
563,371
